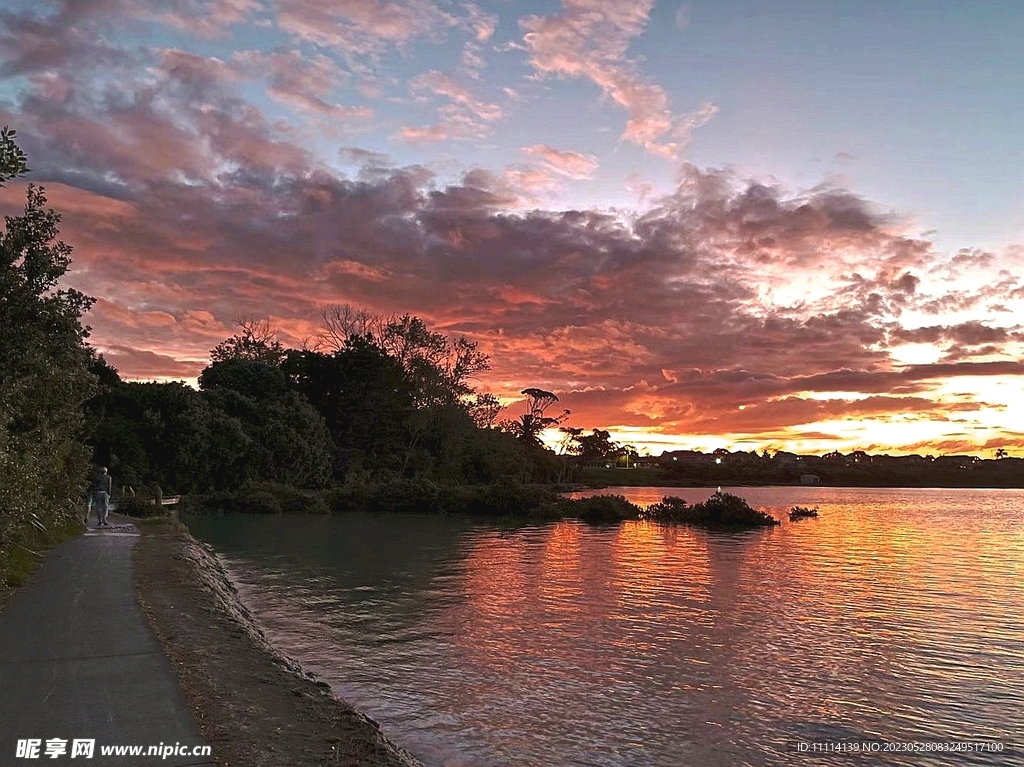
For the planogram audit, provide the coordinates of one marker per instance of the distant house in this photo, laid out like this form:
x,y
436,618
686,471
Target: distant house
x,y
810,479
687,457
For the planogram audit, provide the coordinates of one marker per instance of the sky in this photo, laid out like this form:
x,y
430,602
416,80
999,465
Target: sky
x,y
788,225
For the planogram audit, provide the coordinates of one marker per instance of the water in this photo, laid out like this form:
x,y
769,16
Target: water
x,y
895,615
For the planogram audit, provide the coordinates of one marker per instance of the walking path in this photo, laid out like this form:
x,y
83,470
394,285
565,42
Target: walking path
x,y
78,660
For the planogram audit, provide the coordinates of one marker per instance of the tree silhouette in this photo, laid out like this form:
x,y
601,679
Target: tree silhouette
x,y
528,427
256,341
44,371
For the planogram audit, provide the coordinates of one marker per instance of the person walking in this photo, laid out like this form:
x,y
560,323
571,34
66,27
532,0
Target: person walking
x,y
101,488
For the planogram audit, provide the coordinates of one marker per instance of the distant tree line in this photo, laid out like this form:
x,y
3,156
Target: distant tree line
x,y
854,469
374,398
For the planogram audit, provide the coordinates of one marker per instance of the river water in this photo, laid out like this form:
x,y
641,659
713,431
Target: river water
x,y
896,615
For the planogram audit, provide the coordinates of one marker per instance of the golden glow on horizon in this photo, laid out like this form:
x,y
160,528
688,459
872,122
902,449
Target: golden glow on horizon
x,y
987,406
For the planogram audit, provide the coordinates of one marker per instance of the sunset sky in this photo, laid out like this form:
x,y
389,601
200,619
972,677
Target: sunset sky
x,y
709,224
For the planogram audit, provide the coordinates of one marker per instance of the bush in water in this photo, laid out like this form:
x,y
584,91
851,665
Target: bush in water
x,y
721,510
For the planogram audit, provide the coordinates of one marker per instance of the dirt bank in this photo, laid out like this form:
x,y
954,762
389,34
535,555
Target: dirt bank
x,y
253,706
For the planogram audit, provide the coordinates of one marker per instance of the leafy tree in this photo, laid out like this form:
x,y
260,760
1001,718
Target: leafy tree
x,y
529,426
438,373
245,375
44,369
12,159
484,410
628,454
287,440
255,341
595,448
365,398
440,369
154,434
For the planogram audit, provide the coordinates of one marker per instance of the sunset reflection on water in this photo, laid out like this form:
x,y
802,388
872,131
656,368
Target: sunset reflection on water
x,y
897,614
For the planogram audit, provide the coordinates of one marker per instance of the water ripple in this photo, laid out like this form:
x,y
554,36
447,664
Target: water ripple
x,y
895,615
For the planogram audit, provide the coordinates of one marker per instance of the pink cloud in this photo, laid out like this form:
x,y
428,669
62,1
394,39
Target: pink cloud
x,y
463,117
207,18
480,26
589,40
435,134
362,27
146,365
437,83
188,207
572,165
303,82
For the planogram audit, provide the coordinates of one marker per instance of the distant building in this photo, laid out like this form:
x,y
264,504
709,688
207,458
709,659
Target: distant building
x,y
810,479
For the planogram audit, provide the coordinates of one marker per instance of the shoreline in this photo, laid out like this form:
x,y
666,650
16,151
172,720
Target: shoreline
x,y
253,705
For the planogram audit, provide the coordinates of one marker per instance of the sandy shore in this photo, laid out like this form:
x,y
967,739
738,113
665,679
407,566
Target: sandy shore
x,y
253,705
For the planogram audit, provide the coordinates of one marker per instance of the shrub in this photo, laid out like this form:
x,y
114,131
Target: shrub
x,y
504,498
292,500
394,494
241,502
669,509
721,510
600,508
420,495
140,508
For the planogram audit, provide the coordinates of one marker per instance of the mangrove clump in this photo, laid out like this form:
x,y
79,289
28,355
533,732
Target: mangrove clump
x,y
721,510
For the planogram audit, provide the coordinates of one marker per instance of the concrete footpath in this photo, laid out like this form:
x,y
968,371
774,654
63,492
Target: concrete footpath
x,y
78,660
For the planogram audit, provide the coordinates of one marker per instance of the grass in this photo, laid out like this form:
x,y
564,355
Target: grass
x,y
598,476
169,521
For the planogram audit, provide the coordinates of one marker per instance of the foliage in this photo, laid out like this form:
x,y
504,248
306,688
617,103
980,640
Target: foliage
x,y
12,158
245,501
278,440
484,410
256,498
529,426
291,500
365,399
256,341
599,476
391,403
600,508
721,510
669,509
255,379
44,376
504,498
170,435
138,507
439,369
594,448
